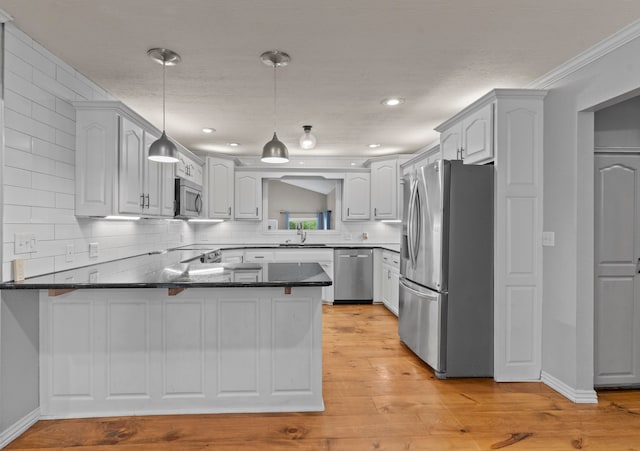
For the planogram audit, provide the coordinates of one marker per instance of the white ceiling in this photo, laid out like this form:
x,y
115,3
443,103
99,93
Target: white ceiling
x,y
347,56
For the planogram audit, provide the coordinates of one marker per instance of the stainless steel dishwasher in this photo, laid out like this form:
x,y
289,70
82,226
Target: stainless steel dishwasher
x,y
353,276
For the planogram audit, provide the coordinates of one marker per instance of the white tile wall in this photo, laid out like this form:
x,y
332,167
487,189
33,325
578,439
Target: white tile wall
x,y
39,168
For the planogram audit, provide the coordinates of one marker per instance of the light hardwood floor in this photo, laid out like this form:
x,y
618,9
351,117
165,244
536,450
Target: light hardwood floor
x,y
378,396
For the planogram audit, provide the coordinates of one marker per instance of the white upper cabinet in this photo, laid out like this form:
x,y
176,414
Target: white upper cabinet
x,y
187,168
131,172
219,188
384,189
356,205
248,195
470,137
114,175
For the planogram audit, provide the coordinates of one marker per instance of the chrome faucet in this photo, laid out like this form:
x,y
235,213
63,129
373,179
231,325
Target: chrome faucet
x,y
301,232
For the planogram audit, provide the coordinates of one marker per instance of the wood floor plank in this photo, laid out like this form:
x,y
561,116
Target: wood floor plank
x,y
378,396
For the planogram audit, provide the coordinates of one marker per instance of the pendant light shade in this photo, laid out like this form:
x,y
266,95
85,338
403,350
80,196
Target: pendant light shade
x,y
162,150
275,151
307,140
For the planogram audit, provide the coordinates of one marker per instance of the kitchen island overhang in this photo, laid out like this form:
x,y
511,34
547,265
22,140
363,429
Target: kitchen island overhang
x,y
238,338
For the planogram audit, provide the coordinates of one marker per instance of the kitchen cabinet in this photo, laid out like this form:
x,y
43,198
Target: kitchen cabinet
x,y
219,188
384,189
391,280
188,168
356,204
505,127
470,137
234,256
248,196
114,175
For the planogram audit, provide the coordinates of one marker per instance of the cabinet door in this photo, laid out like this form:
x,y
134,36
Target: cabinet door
x,y
219,189
96,162
356,197
152,188
394,291
168,190
477,136
248,196
384,189
450,143
131,169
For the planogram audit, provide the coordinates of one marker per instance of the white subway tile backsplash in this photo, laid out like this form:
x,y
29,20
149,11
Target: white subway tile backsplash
x,y
18,66
65,201
17,159
17,177
16,214
17,140
15,195
18,122
51,57
26,52
56,120
71,231
41,215
53,151
17,103
70,81
18,33
44,131
41,231
52,183
51,85
66,109
67,171
49,248
29,90
65,139
37,266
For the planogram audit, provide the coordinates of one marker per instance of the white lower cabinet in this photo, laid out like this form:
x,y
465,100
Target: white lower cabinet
x,y
232,256
106,352
390,280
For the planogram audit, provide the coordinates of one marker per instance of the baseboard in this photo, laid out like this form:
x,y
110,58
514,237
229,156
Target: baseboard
x,y
17,428
577,396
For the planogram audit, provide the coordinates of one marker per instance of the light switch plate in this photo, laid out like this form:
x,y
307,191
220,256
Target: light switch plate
x,y
548,239
93,250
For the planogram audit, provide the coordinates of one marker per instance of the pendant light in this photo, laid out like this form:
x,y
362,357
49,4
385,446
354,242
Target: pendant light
x,y
275,151
307,140
162,150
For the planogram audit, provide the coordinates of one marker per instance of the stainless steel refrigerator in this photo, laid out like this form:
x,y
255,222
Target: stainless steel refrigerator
x,y
446,268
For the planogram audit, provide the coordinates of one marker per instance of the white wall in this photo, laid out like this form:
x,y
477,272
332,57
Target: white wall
x,y
39,168
610,71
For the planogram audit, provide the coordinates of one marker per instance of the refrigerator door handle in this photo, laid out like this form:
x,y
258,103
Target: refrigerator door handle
x,y
410,223
417,234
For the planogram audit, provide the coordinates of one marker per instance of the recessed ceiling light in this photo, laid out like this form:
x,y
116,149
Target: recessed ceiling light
x,y
234,144
373,146
392,101
353,164
208,130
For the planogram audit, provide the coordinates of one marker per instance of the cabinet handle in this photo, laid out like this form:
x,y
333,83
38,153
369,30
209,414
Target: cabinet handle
x,y
375,211
638,266
229,213
256,211
142,200
347,212
462,153
148,202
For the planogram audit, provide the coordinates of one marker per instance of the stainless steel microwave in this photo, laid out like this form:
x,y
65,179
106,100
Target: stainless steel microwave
x,y
188,199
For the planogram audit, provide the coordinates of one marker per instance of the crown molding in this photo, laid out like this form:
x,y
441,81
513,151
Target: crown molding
x,y
616,40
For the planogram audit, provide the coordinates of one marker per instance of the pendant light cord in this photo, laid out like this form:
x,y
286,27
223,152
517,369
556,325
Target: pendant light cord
x,y
275,96
164,69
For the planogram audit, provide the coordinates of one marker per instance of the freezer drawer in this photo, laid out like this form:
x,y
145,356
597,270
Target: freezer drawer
x,y
421,324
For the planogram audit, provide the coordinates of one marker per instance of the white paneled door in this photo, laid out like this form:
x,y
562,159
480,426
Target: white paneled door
x,y
617,256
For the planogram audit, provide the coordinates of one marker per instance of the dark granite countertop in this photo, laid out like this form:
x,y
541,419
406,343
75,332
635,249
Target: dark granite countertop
x,y
165,271
181,268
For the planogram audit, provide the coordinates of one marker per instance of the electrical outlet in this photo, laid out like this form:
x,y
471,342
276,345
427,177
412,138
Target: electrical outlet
x,y
93,250
69,253
548,239
93,277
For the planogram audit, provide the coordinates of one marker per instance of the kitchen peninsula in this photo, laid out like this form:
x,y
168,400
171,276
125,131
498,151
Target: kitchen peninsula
x,y
165,333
